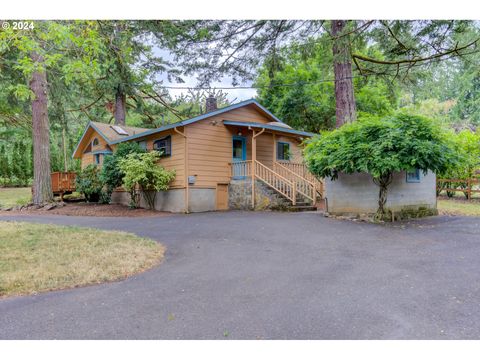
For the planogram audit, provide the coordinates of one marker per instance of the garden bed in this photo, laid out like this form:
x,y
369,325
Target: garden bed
x,y
88,209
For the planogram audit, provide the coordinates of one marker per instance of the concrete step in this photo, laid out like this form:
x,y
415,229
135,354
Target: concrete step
x,y
302,208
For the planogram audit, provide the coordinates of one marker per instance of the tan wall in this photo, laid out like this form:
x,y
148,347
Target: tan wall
x,y
176,160
87,158
210,146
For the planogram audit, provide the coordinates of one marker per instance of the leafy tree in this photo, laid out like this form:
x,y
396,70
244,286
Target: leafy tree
x,y
142,172
88,183
381,147
309,104
468,143
111,175
4,166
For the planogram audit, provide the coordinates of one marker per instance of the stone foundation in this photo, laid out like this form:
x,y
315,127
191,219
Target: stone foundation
x,y
240,192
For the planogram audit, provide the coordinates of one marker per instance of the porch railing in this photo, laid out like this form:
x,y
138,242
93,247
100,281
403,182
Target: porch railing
x,y
303,186
241,169
302,170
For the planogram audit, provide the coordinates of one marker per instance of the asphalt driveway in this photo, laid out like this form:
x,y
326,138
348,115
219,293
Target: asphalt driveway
x,y
253,275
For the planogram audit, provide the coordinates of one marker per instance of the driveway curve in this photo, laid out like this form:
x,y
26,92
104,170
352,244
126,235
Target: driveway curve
x,y
254,275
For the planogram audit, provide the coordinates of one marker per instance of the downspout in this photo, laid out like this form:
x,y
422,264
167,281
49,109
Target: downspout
x,y
185,165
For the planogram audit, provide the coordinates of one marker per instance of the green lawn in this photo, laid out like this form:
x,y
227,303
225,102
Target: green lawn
x,y
14,196
37,257
458,207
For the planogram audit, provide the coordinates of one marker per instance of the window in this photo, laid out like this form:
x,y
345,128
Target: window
x,y
413,176
283,151
95,142
98,159
164,146
142,144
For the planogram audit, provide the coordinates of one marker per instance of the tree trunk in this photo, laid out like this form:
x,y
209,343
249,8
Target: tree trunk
x,y
120,107
344,98
383,182
42,183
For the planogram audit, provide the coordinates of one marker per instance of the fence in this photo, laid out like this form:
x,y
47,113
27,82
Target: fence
x,y
467,186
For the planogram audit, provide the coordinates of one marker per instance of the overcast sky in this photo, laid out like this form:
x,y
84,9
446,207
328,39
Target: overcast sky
x,y
235,95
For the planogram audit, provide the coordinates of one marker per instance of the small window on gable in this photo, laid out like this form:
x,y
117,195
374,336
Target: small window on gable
x,y
95,142
164,146
283,151
413,176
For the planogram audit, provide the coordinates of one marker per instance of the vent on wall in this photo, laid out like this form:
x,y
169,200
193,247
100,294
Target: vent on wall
x,y
118,130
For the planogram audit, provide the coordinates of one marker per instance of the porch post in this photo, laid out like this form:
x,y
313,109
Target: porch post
x,y
254,158
274,150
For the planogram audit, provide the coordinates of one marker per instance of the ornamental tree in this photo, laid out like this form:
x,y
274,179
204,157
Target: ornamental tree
x,y
111,175
381,147
143,173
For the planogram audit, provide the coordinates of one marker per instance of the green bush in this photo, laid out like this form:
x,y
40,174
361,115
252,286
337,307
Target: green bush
x,y
111,175
143,173
88,183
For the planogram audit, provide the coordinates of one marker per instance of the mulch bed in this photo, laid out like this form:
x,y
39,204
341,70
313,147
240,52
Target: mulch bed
x,y
89,209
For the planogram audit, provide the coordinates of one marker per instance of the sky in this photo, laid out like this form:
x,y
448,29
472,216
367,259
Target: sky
x,y
234,95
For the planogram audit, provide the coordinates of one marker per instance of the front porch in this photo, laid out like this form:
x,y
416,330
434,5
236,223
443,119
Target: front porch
x,y
273,155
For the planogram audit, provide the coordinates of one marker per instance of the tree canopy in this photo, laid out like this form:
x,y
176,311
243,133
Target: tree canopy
x,y
381,147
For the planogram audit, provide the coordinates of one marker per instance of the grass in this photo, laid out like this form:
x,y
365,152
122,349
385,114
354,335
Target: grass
x,y
458,207
14,196
38,257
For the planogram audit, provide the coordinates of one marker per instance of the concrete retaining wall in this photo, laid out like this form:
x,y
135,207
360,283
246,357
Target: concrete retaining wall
x,y
173,200
356,193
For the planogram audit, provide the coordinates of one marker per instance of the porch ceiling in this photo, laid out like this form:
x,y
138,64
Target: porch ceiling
x,y
273,128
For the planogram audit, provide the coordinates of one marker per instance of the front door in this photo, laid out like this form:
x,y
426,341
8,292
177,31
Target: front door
x,y
239,155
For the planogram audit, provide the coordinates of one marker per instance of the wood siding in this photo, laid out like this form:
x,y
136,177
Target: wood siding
x,y
174,162
210,146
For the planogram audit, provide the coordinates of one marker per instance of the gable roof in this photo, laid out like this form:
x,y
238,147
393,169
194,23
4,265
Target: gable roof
x,y
112,137
107,132
202,117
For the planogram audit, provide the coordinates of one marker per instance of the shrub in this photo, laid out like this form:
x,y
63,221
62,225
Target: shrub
x,y
88,183
381,147
143,173
111,175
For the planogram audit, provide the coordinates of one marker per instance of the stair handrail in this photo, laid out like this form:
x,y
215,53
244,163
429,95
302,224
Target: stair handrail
x,y
319,184
290,185
298,178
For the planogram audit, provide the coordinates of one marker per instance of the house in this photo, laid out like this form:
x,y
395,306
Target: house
x,y
221,158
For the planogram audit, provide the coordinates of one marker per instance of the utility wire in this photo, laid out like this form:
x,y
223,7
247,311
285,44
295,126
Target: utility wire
x,y
259,86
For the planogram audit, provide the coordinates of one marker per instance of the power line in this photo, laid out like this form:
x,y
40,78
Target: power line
x,y
298,83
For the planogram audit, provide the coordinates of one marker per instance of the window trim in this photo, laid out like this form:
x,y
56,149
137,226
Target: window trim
x,y
169,138
415,179
289,146
243,139
95,140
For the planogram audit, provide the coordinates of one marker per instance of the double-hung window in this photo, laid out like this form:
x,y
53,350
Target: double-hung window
x,y
283,151
164,146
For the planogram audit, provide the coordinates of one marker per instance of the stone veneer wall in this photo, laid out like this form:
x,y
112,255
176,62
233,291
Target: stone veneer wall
x,y
240,191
